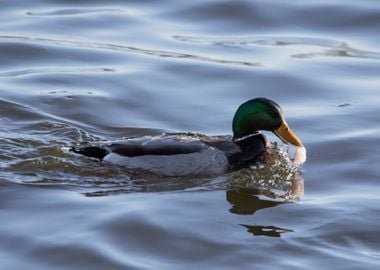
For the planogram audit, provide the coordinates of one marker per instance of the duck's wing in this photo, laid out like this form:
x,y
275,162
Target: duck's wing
x,y
223,143
155,146
240,154
162,145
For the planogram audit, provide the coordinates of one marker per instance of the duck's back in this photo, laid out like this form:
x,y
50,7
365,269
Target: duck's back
x,y
166,155
170,155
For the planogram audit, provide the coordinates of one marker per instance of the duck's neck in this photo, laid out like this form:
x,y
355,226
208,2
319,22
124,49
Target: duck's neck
x,y
250,141
252,148
247,137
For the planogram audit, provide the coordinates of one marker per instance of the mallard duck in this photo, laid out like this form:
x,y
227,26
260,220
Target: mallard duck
x,y
180,154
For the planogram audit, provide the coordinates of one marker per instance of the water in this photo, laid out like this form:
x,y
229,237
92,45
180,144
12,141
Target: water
x,y
73,71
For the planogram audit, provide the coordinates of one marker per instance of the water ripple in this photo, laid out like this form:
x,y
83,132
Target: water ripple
x,y
24,72
331,47
65,12
126,48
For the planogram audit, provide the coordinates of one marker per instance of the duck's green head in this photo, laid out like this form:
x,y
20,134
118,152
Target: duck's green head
x,y
262,114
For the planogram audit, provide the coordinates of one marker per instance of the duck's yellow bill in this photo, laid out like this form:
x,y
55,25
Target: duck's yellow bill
x,y
287,135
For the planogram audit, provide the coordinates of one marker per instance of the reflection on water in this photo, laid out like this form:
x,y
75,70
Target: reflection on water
x,y
275,181
246,201
271,231
264,193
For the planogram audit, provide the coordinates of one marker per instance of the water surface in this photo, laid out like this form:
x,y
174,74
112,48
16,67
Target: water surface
x,y
74,71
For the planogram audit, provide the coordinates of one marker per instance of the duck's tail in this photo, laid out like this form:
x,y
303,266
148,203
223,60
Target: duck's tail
x,y
90,151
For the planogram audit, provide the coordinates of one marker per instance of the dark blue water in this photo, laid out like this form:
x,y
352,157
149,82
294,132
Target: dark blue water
x,y
74,71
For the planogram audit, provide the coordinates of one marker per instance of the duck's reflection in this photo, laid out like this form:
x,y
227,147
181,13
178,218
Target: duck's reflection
x,y
247,201
270,231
